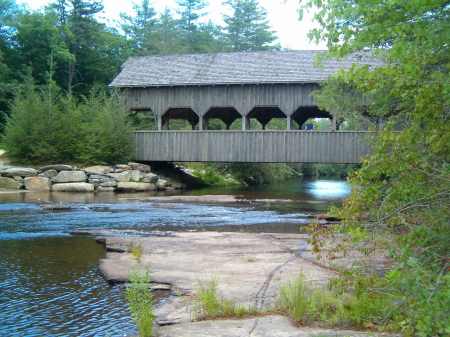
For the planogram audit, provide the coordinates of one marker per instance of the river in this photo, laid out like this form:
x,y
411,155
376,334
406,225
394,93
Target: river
x,y
50,283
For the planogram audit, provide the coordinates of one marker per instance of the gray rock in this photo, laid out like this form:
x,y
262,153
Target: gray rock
x,y
56,167
98,169
133,186
19,171
105,189
73,187
10,183
109,184
149,178
140,167
38,183
101,178
161,184
123,167
132,175
70,177
49,174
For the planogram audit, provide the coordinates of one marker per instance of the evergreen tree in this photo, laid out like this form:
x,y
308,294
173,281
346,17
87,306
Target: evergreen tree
x,y
140,29
168,34
248,28
188,23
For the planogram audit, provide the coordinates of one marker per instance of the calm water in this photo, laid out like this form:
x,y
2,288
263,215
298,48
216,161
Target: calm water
x,y
49,280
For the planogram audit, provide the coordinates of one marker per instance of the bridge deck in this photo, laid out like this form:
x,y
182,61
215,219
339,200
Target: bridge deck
x,y
251,146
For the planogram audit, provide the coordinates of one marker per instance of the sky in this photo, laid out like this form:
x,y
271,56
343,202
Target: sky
x,y
282,15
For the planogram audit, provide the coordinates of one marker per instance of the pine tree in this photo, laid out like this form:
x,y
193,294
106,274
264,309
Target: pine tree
x,y
248,28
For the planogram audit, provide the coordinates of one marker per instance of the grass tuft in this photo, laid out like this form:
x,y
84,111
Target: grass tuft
x,y
210,305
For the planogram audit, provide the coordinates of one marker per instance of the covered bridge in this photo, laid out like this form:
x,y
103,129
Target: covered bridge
x,y
230,86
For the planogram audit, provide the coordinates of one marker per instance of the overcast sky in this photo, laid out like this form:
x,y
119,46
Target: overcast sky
x,y
282,15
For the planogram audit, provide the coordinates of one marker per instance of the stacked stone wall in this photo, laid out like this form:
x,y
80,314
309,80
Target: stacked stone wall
x,y
99,178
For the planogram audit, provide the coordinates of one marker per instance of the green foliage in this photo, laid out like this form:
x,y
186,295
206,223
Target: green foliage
x,y
261,173
210,305
45,126
140,300
304,304
135,248
400,196
106,125
328,170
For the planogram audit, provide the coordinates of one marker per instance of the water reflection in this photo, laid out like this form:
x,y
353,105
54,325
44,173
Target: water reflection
x,y
327,189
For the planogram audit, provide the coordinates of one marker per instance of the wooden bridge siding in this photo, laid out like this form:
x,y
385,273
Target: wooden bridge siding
x,y
288,97
251,146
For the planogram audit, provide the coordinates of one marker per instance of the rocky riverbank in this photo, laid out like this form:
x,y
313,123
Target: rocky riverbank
x,y
249,269
131,177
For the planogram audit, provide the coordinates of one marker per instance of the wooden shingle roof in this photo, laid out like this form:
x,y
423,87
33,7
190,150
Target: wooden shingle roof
x,y
228,68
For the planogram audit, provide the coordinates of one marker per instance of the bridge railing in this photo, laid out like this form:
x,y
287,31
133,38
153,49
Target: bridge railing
x,y
251,146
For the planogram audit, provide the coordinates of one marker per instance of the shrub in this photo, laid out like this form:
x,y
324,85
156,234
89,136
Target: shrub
x,y
45,126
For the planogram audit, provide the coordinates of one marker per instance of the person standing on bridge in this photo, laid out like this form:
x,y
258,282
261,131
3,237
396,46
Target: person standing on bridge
x,y
309,125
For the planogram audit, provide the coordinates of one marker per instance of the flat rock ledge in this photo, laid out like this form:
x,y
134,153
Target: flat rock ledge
x,y
249,269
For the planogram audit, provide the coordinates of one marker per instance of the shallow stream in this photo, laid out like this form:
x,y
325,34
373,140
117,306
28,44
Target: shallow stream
x,y
49,280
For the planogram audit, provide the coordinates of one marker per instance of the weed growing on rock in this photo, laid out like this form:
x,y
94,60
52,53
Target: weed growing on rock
x,y
136,249
210,305
140,300
304,304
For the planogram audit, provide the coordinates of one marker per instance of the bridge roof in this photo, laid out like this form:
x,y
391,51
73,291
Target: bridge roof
x,y
264,67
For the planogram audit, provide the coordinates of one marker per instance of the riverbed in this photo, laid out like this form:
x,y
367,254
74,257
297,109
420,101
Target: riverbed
x,y
50,283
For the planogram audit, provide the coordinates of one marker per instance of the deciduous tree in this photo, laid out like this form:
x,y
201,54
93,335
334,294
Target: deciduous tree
x,y
400,196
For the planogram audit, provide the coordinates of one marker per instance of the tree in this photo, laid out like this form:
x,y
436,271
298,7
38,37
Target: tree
x,y
401,207
140,29
248,28
92,45
188,23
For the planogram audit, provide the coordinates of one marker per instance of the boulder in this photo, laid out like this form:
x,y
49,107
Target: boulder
x,y
109,184
10,183
101,178
122,167
56,167
139,167
49,174
70,177
149,178
161,184
133,186
105,189
132,175
38,183
177,185
73,187
98,169
19,171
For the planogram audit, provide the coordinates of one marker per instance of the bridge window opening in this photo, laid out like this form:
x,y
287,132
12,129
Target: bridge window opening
x,y
269,118
319,117
180,119
219,118
144,120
